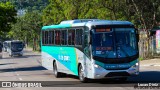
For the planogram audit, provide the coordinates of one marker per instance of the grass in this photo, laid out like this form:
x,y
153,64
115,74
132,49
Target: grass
x,y
141,58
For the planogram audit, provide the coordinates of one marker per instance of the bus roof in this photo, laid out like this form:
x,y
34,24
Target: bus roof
x,y
78,21
8,41
56,26
85,22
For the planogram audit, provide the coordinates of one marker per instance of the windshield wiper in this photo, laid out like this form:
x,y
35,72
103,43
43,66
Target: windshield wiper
x,y
127,55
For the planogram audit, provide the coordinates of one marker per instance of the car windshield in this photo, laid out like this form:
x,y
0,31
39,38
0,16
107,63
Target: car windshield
x,y
119,43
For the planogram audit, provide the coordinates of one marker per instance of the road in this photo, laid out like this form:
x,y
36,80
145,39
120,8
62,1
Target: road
x,y
28,68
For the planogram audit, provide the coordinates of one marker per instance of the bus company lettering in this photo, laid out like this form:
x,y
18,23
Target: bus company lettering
x,y
118,66
62,57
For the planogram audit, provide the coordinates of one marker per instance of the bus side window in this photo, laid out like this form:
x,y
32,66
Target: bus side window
x,y
57,37
53,37
78,39
43,37
71,37
50,37
64,37
46,37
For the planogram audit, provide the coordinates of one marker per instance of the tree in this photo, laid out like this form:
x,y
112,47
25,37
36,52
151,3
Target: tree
x,y
144,13
53,13
28,29
58,10
33,21
7,16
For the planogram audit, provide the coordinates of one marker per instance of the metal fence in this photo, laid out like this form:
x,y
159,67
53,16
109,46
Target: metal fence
x,y
147,45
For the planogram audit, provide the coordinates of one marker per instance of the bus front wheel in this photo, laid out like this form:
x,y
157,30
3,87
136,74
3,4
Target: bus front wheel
x,y
81,74
56,73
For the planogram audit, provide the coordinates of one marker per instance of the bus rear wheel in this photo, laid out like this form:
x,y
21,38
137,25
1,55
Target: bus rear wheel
x,y
55,71
82,78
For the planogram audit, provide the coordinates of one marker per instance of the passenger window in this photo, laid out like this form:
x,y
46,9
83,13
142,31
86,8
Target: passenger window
x,y
78,38
71,37
57,37
64,37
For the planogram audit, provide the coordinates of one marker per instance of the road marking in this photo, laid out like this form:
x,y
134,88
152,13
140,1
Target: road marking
x,y
20,79
38,61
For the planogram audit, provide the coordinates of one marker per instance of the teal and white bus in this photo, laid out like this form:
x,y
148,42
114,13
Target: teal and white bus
x,y
91,49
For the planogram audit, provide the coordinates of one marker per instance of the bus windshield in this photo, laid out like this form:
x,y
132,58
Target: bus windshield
x,y
4,44
17,46
118,43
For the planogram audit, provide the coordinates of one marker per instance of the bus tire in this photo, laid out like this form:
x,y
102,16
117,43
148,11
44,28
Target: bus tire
x,y
55,71
82,78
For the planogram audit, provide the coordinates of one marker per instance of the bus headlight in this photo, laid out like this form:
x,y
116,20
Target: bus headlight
x,y
135,69
96,66
134,66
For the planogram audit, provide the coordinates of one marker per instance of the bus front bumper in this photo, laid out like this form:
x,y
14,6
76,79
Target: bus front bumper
x,y
103,73
17,53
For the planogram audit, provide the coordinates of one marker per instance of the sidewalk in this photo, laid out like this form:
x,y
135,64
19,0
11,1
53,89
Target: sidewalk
x,y
150,62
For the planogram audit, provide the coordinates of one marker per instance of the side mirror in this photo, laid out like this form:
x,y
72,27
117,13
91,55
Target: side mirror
x,y
137,35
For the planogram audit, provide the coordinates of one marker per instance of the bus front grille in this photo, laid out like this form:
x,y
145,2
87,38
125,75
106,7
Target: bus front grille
x,y
114,74
117,68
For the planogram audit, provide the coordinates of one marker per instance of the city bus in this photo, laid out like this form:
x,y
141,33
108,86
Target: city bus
x,y
91,49
15,47
5,46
